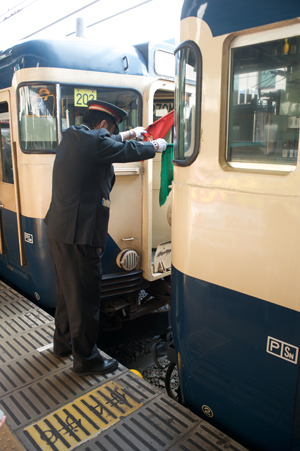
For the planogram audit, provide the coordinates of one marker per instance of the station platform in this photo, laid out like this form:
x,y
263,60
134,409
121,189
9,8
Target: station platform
x,y
49,408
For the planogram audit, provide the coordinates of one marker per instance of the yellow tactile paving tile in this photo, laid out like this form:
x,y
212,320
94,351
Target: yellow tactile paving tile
x,y
82,419
8,441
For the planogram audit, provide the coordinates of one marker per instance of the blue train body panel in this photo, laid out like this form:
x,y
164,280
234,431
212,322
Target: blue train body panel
x,y
228,16
37,278
63,54
222,338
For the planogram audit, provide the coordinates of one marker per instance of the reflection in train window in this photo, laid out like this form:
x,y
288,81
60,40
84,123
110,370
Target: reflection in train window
x,y
6,157
74,104
265,103
37,117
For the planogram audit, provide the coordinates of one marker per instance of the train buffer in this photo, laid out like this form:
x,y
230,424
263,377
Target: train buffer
x,y
48,408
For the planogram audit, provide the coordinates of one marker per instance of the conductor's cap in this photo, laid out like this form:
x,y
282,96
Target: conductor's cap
x,y
117,114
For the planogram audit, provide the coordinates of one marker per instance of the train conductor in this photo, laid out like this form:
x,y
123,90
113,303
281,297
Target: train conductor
x,y
77,222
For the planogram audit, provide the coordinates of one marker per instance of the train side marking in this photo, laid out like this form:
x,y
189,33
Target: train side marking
x,y
28,237
283,350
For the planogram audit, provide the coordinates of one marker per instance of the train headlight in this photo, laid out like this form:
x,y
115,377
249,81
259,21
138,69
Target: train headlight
x,y
128,259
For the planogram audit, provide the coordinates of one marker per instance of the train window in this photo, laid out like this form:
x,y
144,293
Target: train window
x,y
187,103
264,110
37,118
74,104
6,157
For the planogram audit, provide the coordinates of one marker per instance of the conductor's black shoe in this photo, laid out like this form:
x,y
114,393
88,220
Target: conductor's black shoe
x,y
107,366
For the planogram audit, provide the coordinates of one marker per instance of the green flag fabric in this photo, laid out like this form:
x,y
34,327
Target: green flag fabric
x,y
166,174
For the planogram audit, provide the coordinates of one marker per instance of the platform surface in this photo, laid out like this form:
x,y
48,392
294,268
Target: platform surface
x,y
49,408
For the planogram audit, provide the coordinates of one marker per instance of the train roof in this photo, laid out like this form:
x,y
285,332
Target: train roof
x,y
71,54
227,16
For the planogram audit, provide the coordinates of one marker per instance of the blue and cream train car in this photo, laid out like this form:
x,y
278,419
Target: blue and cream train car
x,y
44,88
236,218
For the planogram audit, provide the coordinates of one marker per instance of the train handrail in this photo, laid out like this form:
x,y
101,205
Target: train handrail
x,y
127,171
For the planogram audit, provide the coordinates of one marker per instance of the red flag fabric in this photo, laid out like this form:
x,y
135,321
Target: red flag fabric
x,y
160,128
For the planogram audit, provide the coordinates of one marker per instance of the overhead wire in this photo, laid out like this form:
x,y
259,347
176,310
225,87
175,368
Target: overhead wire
x,y
114,15
88,26
14,11
62,18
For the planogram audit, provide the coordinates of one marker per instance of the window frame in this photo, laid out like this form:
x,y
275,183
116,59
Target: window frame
x,y
198,96
58,115
260,37
5,176
105,87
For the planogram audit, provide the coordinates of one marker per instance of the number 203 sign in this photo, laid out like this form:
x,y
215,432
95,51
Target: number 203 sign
x,y
83,96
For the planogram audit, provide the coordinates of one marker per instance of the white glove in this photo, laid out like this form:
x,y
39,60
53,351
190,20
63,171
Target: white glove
x,y
139,132
162,144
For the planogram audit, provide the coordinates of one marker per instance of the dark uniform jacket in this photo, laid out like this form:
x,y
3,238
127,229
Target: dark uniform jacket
x,y
83,176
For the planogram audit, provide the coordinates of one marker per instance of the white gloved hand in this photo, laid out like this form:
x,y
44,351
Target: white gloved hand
x,y
139,132
162,144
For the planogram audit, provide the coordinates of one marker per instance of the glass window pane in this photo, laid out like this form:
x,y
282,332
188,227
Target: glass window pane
x,y
185,104
265,103
74,104
6,157
37,117
164,63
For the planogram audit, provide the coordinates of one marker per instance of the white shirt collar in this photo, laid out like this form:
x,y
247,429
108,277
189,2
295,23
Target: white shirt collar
x,y
86,126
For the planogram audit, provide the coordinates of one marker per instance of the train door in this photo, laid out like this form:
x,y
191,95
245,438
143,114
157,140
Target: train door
x,y
158,101
9,237
163,104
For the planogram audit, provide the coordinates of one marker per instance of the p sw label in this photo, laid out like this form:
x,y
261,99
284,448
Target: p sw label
x,y
283,350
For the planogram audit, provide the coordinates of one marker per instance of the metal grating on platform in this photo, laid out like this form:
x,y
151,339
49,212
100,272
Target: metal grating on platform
x,y
17,314
23,344
32,367
206,438
162,424
158,426
18,323
52,384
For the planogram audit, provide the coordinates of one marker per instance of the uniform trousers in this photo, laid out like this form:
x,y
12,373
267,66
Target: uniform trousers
x,y
78,284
